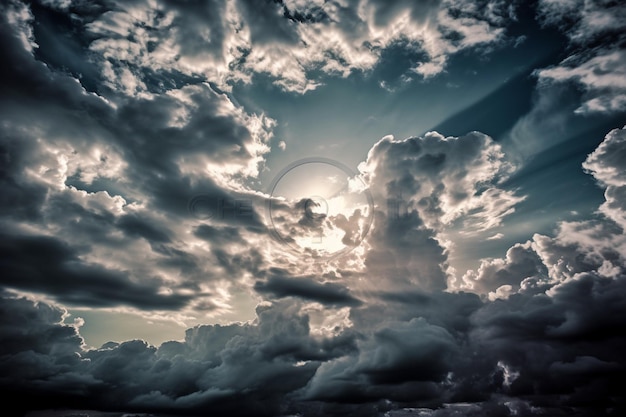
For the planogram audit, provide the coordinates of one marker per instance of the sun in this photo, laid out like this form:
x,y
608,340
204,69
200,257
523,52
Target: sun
x,y
319,208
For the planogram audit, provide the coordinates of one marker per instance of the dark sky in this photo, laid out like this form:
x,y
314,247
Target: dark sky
x,y
313,208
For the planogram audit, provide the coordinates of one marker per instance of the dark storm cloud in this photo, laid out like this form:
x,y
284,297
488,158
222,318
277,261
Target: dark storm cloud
x,y
134,226
218,235
328,293
566,345
529,347
41,335
402,362
208,372
50,266
451,311
19,199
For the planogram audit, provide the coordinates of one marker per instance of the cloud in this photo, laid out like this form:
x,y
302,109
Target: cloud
x,y
587,82
208,371
606,165
126,176
544,337
496,236
561,322
443,178
327,293
397,362
521,263
104,180
581,247
145,47
47,265
595,62
423,187
601,76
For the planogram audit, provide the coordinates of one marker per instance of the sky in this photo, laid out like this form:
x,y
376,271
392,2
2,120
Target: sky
x,y
313,207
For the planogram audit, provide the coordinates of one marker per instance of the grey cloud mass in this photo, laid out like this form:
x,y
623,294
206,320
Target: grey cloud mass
x,y
137,141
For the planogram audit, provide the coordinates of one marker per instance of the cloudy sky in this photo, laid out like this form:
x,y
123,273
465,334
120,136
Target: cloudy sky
x,y
313,207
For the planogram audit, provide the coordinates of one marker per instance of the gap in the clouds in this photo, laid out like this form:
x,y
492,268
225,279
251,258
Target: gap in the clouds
x,y
344,117
554,178
393,69
556,189
101,327
497,111
105,325
99,184
509,101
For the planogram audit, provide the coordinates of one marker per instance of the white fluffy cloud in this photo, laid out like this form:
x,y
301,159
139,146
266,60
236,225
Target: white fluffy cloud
x,y
606,164
443,179
498,277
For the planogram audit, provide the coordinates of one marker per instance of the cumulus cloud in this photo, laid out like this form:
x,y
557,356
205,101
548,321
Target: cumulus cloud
x,y
398,361
606,164
559,289
521,263
424,186
209,370
443,179
581,247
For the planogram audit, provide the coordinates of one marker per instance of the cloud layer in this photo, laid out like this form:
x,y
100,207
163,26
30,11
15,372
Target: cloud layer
x,y
130,182
542,333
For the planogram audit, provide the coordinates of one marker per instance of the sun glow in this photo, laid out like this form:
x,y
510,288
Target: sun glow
x,y
322,214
